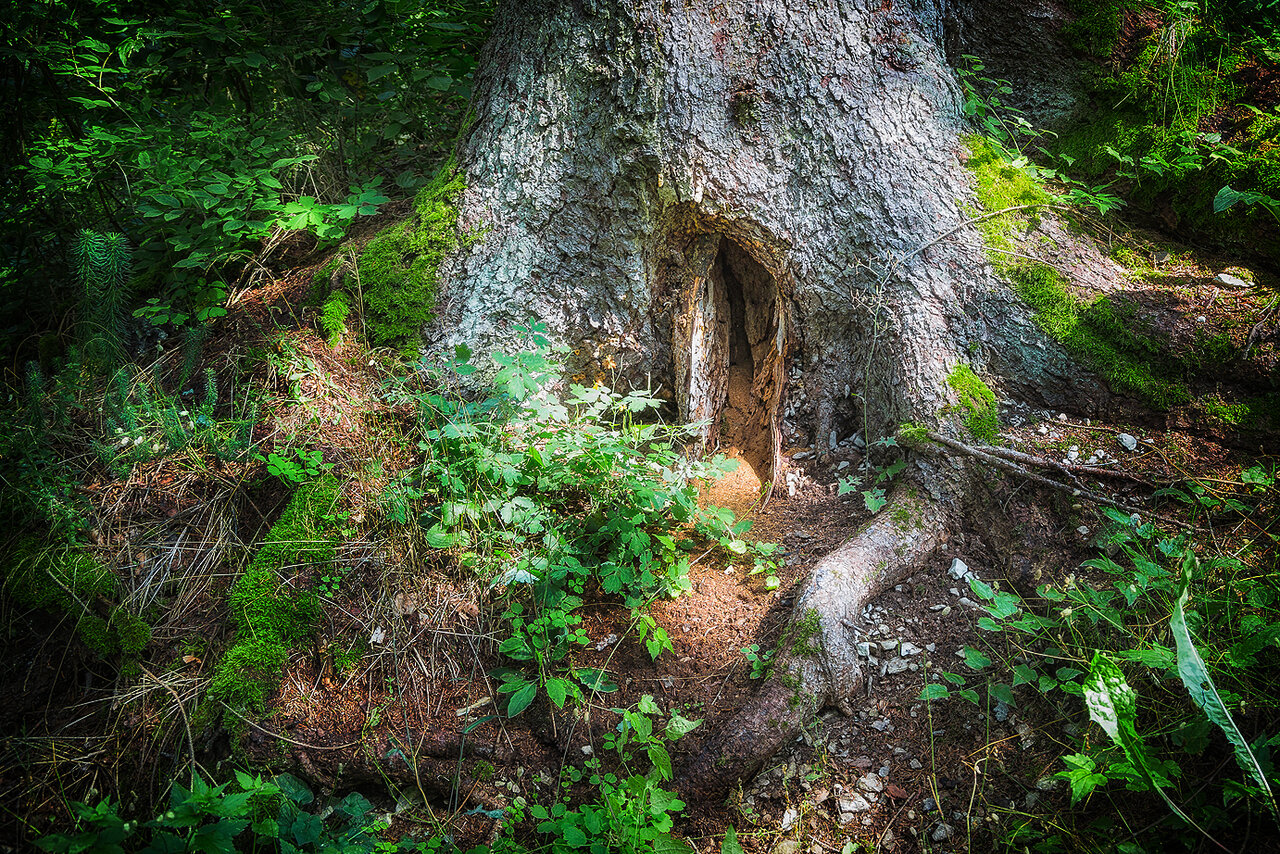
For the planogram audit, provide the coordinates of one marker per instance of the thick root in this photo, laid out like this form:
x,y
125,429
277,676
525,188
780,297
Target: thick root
x,y
819,663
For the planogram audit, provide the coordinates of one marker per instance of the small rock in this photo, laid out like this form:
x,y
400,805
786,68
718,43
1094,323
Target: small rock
x,y
1231,281
864,649
789,819
844,464
931,647
880,725
786,846
1201,319
1002,711
1129,443
967,602
909,648
586,750
1042,430
871,783
959,569
942,832
851,805
915,765
896,665
1083,530
955,591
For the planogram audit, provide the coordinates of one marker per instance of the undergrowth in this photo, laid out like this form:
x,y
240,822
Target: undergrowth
x,y
552,499
1166,642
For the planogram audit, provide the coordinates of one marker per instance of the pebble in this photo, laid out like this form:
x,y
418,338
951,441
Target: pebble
x,y
789,818
786,846
1129,443
931,647
959,569
871,783
967,602
915,765
896,665
942,832
1083,530
851,805
1231,281
909,648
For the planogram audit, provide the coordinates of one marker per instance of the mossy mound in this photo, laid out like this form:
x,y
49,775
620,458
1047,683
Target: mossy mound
x,y
270,615
1104,338
63,578
399,270
977,403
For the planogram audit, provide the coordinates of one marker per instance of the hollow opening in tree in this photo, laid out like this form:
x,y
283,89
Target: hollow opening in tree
x,y
735,352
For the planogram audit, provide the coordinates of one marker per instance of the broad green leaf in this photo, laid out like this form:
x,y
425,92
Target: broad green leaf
x,y
975,659
521,699
934,691
661,760
1195,676
730,845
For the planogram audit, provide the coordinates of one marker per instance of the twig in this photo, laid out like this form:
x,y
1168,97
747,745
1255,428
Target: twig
x,y
285,737
1067,468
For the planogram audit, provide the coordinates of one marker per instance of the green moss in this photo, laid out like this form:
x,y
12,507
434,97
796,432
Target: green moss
x,y
977,403
999,185
805,635
65,579
132,633
1254,414
270,616
1093,332
399,269
321,282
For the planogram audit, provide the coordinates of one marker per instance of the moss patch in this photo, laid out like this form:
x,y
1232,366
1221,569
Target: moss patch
x,y
269,614
399,270
1094,331
977,403
65,579
805,635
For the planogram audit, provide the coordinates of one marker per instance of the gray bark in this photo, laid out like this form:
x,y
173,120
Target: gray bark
x,y
689,190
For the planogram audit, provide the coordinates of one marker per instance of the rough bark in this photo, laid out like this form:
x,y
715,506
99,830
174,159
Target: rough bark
x,y
700,195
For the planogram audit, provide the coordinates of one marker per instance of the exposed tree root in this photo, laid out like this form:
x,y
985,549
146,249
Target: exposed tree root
x,y
814,669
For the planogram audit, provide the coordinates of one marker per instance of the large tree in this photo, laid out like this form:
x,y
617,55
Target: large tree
x,y
758,207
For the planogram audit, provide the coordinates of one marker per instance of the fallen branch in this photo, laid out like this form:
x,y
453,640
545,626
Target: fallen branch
x,y
1006,465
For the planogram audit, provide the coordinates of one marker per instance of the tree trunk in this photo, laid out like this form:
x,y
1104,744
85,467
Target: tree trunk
x,y
740,204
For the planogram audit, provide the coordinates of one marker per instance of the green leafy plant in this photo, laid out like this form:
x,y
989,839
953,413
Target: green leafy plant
x,y
1157,622
256,815
550,495
633,813
300,466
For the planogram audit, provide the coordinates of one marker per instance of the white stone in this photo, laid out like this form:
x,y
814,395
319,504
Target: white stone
x,y
871,783
1231,281
959,569
1129,443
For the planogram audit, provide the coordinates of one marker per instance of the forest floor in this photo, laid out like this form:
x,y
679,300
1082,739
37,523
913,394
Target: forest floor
x,y
393,696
